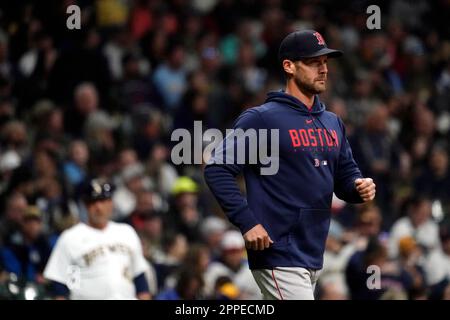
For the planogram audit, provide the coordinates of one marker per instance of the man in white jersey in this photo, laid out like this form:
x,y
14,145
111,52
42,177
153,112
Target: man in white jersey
x,y
100,259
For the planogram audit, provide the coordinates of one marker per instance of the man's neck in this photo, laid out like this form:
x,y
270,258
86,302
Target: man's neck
x,y
98,226
305,97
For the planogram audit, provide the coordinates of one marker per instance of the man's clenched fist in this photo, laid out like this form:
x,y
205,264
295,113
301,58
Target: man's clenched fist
x,y
257,238
365,188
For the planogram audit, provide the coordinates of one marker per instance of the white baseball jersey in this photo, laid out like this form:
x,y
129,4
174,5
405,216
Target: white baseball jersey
x,y
97,264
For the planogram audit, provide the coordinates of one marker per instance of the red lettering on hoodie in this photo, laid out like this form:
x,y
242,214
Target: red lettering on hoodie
x,y
319,131
335,136
294,138
328,138
304,137
312,137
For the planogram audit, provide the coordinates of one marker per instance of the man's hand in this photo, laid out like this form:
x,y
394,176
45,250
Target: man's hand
x,y
365,188
257,238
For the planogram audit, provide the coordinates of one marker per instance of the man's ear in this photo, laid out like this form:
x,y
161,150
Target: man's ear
x,y
288,67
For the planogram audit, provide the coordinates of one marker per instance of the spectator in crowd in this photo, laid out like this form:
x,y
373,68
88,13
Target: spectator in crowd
x,y
162,173
418,224
170,77
367,225
143,210
336,256
376,153
212,230
133,181
184,215
330,291
362,264
126,157
225,289
437,266
434,182
9,161
14,137
48,123
411,264
147,221
149,130
170,260
86,102
27,250
99,133
232,264
12,215
197,258
189,287
76,166
135,89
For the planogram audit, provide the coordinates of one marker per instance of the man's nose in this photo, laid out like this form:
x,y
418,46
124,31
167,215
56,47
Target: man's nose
x,y
323,68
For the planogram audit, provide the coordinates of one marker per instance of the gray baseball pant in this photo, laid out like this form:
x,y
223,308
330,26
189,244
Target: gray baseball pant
x,y
286,283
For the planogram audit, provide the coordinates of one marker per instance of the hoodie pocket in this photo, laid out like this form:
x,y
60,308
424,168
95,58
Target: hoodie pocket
x,y
310,232
282,242
279,226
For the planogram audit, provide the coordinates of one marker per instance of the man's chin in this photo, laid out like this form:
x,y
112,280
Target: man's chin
x,y
99,222
319,89
312,88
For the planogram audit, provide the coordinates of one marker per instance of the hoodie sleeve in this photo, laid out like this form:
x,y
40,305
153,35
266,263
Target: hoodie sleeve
x,y
347,172
220,176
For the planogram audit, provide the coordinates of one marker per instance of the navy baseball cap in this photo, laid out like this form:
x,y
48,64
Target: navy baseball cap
x,y
97,189
305,44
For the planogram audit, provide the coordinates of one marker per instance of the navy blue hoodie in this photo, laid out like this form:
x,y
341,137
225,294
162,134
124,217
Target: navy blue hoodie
x,y
293,205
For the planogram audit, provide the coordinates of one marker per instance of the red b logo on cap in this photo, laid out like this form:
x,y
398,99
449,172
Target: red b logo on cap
x,y
320,40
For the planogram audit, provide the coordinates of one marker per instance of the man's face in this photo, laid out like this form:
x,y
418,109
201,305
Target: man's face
x,y
233,257
153,227
99,212
421,213
192,290
16,209
32,228
310,75
187,200
79,153
369,223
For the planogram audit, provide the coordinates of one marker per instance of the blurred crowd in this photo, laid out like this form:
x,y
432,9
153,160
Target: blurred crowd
x,y
103,101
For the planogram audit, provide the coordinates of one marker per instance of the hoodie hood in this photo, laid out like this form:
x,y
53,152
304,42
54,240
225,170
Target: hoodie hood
x,y
314,113
291,101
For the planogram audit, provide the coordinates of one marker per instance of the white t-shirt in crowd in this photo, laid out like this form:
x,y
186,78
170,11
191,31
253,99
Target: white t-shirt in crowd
x,y
243,279
427,234
97,264
437,267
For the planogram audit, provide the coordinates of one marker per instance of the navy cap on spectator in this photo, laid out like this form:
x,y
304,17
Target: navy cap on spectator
x,y
305,44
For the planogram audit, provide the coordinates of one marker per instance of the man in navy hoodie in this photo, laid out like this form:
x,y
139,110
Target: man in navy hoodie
x,y
285,217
